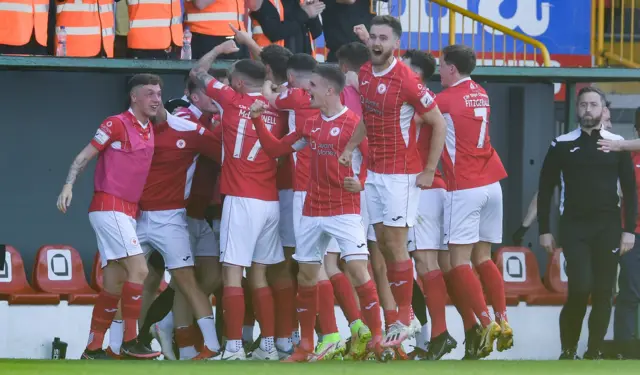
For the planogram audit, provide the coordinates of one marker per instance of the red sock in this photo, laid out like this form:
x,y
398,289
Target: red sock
x,y
249,314
307,308
103,312
284,296
233,302
185,337
326,308
467,315
493,283
390,316
469,291
131,306
265,311
368,296
400,277
435,295
344,294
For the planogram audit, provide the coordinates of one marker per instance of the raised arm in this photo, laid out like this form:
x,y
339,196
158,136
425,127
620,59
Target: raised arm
x,y
273,146
200,72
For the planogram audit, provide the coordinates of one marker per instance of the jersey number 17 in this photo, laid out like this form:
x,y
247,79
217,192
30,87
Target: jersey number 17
x,y
237,149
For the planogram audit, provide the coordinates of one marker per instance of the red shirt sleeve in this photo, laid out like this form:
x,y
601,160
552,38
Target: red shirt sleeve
x,y
293,99
273,146
221,93
111,130
418,95
209,143
364,150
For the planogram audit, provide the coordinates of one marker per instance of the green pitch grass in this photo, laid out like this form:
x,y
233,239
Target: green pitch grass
x,y
19,367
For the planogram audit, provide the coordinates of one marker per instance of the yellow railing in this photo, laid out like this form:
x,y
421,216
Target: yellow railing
x,y
612,45
534,52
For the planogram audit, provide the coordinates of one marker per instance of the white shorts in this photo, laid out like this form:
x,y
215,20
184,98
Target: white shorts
x,y
166,231
316,232
298,205
392,199
371,233
473,215
203,240
287,235
428,232
249,232
116,235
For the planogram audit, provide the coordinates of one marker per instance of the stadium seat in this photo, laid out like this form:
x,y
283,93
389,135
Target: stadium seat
x,y
520,273
555,279
14,287
96,273
58,269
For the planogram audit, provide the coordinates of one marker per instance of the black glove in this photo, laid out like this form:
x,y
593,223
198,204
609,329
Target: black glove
x,y
518,235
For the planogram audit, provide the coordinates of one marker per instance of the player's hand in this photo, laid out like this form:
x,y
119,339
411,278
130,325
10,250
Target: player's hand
x,y
361,32
227,47
64,199
607,145
352,185
345,158
313,8
425,179
627,240
267,87
548,242
241,37
257,108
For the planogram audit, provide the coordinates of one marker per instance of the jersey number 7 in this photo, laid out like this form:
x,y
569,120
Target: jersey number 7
x,y
482,113
237,149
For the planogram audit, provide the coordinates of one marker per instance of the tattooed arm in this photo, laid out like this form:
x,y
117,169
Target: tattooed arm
x,y
78,165
200,72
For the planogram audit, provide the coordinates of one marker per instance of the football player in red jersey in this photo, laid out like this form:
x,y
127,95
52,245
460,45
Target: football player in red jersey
x,y
124,147
249,236
391,95
331,209
473,207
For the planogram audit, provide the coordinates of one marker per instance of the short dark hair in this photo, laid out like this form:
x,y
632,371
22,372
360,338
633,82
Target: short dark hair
x,y
218,74
353,55
302,62
333,74
460,56
423,60
252,69
277,57
588,89
143,79
390,21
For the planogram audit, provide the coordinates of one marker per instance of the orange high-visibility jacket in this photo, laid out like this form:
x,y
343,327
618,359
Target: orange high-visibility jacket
x,y
20,18
89,24
154,24
215,19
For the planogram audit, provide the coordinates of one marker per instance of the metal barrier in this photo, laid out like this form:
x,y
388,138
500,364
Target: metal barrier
x,y
490,41
613,28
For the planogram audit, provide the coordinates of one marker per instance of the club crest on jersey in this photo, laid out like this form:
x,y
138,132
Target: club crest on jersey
x,y
134,241
181,143
334,131
382,88
109,123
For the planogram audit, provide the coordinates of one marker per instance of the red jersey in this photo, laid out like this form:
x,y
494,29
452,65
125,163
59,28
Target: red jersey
x,y
297,102
247,171
390,99
468,160
327,138
636,167
178,144
206,172
424,145
112,133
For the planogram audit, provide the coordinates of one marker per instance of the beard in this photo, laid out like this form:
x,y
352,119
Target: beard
x,y
591,122
382,58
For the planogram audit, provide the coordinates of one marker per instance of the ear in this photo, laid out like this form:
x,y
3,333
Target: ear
x,y
397,44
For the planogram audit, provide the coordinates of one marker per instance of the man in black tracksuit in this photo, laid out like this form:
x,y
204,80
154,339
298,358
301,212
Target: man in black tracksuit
x,y
591,232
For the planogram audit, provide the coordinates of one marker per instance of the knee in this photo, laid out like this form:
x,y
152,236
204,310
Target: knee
x,y
138,273
308,274
578,298
331,266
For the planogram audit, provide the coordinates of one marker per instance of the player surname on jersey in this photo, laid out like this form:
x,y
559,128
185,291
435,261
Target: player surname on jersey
x,y
476,99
